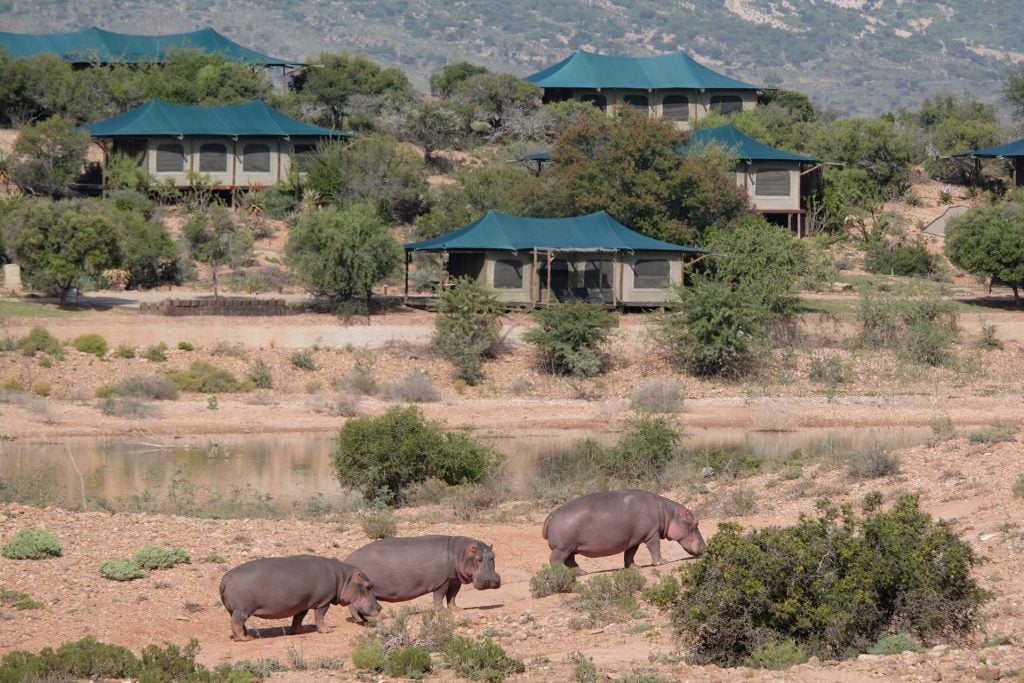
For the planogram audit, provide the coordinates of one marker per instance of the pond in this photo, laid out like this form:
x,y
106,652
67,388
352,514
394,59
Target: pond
x,y
275,474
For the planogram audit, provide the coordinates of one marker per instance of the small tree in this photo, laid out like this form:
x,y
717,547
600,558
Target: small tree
x,y
343,253
571,337
467,325
989,241
215,239
53,152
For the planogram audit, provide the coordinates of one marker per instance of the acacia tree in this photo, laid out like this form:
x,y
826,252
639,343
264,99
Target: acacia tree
x,y
341,253
989,241
215,239
333,79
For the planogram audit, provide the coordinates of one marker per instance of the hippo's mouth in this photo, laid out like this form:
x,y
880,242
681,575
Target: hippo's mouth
x,y
481,583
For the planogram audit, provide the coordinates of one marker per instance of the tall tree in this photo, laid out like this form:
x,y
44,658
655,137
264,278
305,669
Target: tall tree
x,y
52,155
989,241
332,79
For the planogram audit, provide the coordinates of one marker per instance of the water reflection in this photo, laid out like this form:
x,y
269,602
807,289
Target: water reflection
x,y
273,474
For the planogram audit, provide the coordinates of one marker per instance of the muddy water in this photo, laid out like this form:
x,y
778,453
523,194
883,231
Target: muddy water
x,y
247,475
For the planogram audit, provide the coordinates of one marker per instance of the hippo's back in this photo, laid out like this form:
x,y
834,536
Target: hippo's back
x,y
601,521
403,568
249,583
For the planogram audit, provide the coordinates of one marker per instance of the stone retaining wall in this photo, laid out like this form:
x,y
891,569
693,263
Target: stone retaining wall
x,y
223,306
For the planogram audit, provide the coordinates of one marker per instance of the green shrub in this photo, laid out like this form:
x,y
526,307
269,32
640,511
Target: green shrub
x,y
379,524
1018,486
608,598
883,570
899,258
777,656
467,325
129,406
147,386
124,351
872,462
382,456
921,329
13,384
570,338
156,353
18,600
39,340
584,670
480,660
159,557
659,396
725,461
987,338
996,433
185,346
739,503
408,662
223,348
829,370
206,378
415,387
260,375
360,381
368,655
124,569
303,360
31,544
551,580
42,389
665,593
647,444
91,343
894,644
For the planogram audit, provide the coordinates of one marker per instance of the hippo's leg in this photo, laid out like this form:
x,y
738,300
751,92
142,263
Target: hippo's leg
x,y
238,632
356,616
453,590
318,615
629,555
654,546
568,558
297,622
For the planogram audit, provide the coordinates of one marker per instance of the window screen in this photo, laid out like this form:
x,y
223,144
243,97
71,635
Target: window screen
x,y
170,158
726,104
675,108
256,158
508,274
303,155
213,158
650,274
639,103
599,101
771,182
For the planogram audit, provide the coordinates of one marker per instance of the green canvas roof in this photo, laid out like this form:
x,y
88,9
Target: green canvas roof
x,y
502,232
742,145
252,119
94,45
1010,149
584,69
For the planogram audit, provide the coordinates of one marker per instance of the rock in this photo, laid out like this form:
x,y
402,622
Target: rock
x,y
988,673
938,650
985,538
813,661
868,658
936,675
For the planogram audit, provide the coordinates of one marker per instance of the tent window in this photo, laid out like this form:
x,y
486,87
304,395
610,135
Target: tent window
x,y
675,108
599,101
508,274
771,182
650,274
726,104
170,158
639,103
303,155
213,158
256,158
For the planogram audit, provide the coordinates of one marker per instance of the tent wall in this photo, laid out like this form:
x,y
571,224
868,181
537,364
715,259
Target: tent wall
x,y
248,161
633,293
699,101
766,196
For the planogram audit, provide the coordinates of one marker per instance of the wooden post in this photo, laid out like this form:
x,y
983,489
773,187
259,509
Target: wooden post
x,y
550,259
408,258
534,280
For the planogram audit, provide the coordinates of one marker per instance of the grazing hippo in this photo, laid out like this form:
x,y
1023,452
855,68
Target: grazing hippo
x,y
279,587
406,568
611,522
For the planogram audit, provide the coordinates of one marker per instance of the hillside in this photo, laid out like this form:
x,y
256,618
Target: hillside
x,y
858,56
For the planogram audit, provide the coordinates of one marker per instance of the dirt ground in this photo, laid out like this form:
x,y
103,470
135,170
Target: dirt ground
x,y
966,483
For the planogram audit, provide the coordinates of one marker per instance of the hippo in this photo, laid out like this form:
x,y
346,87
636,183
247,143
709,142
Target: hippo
x,y
406,568
279,587
611,522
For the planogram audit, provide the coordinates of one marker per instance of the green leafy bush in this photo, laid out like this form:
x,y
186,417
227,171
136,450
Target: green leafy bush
x,y
920,329
124,351
186,346
206,378
894,644
665,593
480,660
379,524
899,258
777,656
368,655
584,670
18,600
829,370
159,557
608,598
303,360
570,338
31,544
382,456
260,375
881,571
147,386
467,325
91,343
123,569
647,444
551,580
725,461
872,462
408,662
995,433
39,340
156,353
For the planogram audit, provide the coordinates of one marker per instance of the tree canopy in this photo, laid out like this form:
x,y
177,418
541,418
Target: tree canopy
x,y
989,241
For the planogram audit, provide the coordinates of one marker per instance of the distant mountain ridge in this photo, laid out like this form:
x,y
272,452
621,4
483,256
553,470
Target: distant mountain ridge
x,y
858,56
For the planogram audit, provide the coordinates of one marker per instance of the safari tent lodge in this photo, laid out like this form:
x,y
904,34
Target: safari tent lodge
x,y
671,86
238,146
1012,152
539,261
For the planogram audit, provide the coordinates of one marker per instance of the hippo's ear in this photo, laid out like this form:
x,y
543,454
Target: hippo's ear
x,y
360,578
474,550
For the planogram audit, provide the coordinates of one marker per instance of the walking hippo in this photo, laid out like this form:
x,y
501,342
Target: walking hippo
x,y
279,587
611,522
406,568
